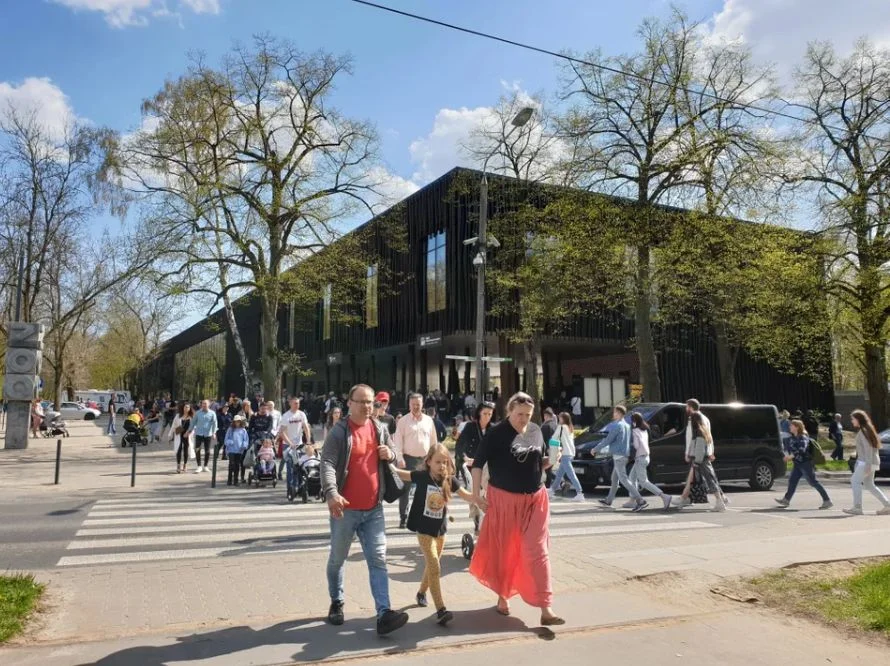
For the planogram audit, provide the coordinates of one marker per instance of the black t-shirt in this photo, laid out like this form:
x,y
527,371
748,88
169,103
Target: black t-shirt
x,y
428,510
515,461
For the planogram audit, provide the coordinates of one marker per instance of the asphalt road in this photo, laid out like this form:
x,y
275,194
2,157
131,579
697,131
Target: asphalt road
x,y
166,523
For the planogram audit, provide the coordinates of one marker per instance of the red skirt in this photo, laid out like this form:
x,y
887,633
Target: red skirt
x,y
512,556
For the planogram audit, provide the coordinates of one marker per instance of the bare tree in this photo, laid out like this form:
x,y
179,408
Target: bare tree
x,y
628,125
254,153
845,156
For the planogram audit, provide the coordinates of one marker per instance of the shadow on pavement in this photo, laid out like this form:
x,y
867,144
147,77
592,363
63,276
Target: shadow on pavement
x,y
313,640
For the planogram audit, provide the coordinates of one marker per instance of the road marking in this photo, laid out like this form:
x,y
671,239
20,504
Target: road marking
x,y
392,542
248,522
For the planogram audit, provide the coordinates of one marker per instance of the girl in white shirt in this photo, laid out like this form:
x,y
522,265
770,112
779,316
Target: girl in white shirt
x,y
639,435
565,433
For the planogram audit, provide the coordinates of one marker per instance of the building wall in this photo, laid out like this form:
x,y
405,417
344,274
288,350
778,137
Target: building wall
x,y
388,354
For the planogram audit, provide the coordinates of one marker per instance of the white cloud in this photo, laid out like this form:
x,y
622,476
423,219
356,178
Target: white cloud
x,y
778,30
441,150
391,188
122,13
41,98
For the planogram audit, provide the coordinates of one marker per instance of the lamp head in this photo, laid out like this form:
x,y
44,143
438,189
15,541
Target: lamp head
x,y
525,114
478,260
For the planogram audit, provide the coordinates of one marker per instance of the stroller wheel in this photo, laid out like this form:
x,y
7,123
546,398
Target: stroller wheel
x,y
467,545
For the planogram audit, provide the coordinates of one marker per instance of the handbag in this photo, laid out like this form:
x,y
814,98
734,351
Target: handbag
x,y
392,485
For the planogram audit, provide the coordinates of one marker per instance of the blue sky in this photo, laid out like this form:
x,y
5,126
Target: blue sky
x,y
102,57
423,86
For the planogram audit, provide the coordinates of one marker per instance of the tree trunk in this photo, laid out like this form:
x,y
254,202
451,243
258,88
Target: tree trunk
x,y
233,328
271,377
726,361
643,324
531,348
876,383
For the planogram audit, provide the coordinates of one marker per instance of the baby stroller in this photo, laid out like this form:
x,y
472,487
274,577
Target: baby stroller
x,y
253,462
468,540
303,474
53,425
134,434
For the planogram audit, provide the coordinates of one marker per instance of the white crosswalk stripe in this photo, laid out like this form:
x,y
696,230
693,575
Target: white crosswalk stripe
x,y
185,527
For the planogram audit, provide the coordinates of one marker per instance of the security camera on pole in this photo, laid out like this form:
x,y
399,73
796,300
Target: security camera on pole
x,y
482,242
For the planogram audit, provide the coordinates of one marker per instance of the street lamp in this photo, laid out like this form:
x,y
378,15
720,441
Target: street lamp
x,y
483,242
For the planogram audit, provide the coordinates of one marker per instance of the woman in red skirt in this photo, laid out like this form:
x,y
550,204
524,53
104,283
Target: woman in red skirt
x,y
512,556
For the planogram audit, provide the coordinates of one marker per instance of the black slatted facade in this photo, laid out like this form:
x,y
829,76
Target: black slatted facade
x,y
388,356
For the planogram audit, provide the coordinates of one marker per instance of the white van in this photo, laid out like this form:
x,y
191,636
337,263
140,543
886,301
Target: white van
x,y
122,399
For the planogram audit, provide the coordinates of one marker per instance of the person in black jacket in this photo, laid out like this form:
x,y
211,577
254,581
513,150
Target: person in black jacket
x,y
223,423
465,451
441,430
812,425
836,434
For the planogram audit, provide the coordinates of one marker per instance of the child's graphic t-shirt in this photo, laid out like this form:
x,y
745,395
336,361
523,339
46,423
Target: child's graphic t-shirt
x,y
428,510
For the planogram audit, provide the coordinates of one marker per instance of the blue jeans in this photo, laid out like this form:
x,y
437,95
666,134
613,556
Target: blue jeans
x,y
566,470
804,469
370,527
111,430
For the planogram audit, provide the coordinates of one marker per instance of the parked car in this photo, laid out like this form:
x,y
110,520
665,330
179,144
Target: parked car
x,y
884,451
746,439
74,412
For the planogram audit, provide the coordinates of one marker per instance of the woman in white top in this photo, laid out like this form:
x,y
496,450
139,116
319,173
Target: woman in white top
x,y
565,433
639,435
183,444
868,460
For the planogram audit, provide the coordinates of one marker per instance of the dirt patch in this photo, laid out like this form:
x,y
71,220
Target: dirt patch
x,y
847,595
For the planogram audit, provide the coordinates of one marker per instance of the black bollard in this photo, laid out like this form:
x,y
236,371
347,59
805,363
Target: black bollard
x,y
213,472
58,459
133,466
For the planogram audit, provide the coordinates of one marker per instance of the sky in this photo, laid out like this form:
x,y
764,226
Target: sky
x,y
424,87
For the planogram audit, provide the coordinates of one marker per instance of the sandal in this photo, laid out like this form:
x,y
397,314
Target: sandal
x,y
552,621
503,610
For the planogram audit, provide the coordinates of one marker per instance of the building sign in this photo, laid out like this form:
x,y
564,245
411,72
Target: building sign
x,y
428,340
636,391
335,359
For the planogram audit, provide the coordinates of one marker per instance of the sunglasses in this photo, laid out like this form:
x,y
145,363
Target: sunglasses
x,y
487,405
523,400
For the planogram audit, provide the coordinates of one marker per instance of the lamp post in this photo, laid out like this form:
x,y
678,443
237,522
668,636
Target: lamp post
x,y
482,242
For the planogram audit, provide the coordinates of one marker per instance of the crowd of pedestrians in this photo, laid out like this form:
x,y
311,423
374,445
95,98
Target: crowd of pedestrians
x,y
508,470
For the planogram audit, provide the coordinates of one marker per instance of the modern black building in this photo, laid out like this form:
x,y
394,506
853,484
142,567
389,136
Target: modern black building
x,y
410,326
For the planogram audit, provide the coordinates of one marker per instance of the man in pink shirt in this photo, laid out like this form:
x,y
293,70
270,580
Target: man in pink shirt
x,y
415,434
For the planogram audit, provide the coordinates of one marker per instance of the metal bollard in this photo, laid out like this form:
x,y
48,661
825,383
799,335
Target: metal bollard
x,y
133,465
58,460
213,472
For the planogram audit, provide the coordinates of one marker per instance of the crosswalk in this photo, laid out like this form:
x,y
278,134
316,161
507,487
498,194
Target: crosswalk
x,y
233,523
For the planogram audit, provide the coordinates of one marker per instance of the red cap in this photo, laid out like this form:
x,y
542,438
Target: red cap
x,y
383,396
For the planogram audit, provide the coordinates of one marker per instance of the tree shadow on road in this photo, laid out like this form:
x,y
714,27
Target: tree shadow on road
x,y
313,640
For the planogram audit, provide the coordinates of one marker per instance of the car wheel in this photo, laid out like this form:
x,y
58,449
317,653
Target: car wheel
x,y
762,475
89,417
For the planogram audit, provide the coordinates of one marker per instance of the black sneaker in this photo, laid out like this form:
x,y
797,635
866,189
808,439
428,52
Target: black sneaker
x,y
390,621
421,600
335,614
444,616
402,524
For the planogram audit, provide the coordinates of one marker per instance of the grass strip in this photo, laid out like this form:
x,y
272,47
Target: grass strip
x,y
860,600
19,594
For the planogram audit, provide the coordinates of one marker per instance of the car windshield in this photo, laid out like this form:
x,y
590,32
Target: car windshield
x,y
605,424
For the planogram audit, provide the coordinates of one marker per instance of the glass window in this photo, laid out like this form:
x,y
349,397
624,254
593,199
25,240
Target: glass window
x,y
326,317
371,298
200,369
435,272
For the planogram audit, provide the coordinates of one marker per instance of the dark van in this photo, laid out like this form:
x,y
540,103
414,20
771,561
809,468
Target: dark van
x,y
746,440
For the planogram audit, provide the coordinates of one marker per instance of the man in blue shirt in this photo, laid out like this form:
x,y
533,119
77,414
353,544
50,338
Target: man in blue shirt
x,y
204,426
618,441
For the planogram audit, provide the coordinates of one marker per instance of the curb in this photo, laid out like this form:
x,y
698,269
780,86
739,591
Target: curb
x,y
834,475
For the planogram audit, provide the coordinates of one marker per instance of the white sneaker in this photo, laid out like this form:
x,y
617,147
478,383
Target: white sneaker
x,y
855,511
684,501
629,504
551,494
667,499
197,471
579,498
205,468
